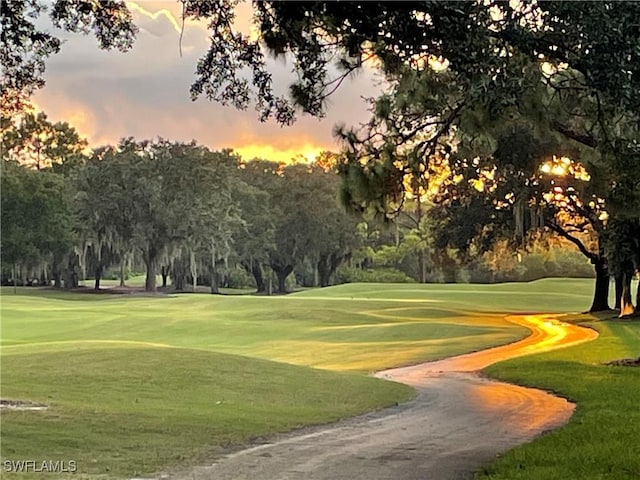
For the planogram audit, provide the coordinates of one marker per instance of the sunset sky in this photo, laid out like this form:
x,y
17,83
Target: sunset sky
x,y
144,93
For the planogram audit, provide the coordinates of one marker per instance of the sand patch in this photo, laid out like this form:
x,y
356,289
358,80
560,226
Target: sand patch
x,y
21,405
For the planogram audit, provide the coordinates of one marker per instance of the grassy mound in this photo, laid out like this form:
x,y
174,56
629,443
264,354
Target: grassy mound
x,y
127,411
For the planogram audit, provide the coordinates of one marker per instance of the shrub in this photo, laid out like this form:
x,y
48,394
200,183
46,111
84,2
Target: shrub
x,y
374,275
237,277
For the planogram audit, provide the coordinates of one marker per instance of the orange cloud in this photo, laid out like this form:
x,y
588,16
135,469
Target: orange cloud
x,y
144,93
270,152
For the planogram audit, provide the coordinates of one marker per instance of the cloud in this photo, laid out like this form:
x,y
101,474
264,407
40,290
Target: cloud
x,y
145,93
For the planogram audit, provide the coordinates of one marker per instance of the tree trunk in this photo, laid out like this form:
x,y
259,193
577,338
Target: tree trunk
x,y
397,234
150,280
626,305
282,286
282,272
193,269
324,270
256,271
98,275
253,268
327,266
165,273
638,299
57,278
15,280
601,292
70,274
215,284
123,267
422,267
619,288
178,281
150,258
70,279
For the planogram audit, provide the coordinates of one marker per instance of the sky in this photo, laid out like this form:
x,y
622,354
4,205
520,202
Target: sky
x,y
144,93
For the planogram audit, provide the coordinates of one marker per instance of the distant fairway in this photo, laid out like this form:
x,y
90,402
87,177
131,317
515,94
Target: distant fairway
x,y
137,384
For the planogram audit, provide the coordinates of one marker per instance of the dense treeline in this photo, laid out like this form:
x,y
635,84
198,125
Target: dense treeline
x,y
179,210
192,216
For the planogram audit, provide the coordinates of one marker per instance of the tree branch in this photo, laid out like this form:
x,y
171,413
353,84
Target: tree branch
x,y
582,138
563,233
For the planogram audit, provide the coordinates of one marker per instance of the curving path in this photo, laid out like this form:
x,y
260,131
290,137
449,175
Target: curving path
x,y
457,422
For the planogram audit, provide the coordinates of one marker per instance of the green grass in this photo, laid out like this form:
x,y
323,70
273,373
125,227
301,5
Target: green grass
x,y
127,411
317,328
137,384
601,440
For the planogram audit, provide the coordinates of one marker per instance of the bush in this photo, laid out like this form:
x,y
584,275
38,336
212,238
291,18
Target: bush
x,y
480,273
463,275
536,267
574,264
237,277
375,275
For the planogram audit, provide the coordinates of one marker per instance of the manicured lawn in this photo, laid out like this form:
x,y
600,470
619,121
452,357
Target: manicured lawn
x,y
125,411
319,328
138,384
601,440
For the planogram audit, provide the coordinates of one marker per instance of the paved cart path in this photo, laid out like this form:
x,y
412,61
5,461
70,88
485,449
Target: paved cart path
x,y
457,422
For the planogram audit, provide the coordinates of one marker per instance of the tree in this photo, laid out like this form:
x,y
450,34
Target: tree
x,y
449,66
36,142
25,44
103,208
333,230
253,242
293,214
166,199
37,224
470,59
622,246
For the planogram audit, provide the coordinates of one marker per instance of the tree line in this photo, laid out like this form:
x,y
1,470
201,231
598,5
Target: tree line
x,y
181,210
193,216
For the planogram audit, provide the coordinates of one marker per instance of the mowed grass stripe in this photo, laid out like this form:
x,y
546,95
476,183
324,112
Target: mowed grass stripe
x,y
277,328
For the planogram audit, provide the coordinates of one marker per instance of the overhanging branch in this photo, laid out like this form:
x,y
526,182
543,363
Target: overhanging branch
x,y
576,241
582,138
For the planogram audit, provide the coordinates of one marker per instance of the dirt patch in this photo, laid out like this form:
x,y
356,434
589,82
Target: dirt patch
x,y
126,290
21,405
625,362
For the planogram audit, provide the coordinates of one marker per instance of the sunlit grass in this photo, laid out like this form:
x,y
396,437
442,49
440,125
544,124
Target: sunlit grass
x,y
326,332
601,439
